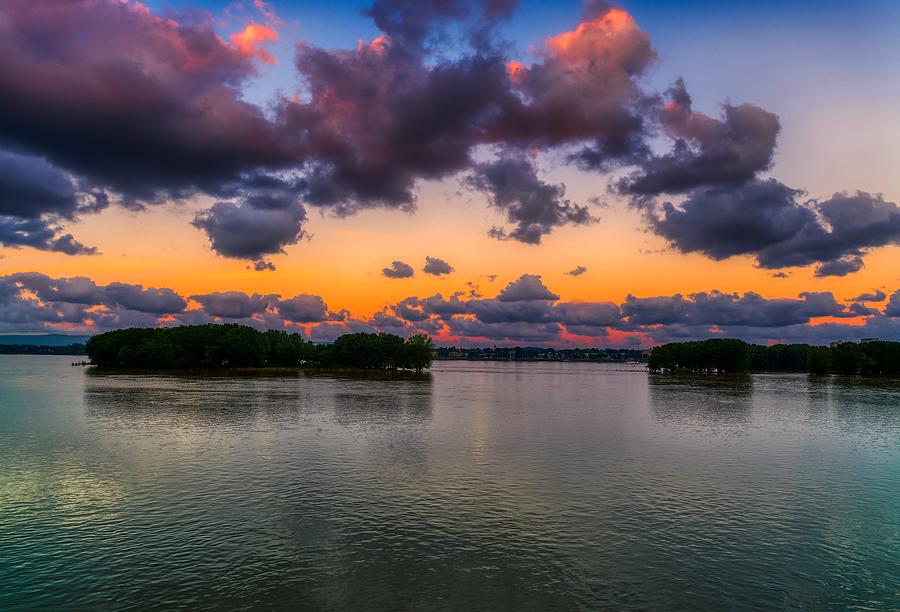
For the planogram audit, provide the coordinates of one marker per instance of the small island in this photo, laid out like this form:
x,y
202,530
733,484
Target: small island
x,y
231,346
729,356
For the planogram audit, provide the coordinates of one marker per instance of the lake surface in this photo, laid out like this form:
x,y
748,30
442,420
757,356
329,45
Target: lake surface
x,y
484,486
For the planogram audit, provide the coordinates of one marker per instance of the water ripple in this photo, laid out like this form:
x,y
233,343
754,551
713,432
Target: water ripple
x,y
482,487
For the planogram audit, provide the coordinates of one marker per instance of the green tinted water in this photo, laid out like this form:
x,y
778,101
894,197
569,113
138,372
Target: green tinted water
x,y
483,486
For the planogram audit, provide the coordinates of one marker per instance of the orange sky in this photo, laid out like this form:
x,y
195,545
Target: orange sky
x,y
343,258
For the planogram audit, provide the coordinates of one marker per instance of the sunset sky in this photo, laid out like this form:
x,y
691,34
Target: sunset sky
x,y
556,173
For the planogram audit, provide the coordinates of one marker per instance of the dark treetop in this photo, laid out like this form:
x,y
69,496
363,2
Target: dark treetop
x,y
238,346
727,356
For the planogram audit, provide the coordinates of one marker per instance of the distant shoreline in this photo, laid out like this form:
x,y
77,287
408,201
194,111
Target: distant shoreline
x,y
541,360
76,349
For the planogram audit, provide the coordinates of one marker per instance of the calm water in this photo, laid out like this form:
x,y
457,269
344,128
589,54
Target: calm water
x,y
484,486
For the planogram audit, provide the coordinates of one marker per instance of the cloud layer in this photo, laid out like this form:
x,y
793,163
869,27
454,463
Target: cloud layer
x,y
525,311
105,101
767,219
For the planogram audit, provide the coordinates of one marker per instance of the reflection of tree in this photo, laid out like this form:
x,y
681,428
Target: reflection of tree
x,y
383,403
716,400
240,400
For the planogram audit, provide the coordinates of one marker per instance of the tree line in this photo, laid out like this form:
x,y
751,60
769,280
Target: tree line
x,y
239,346
41,349
538,353
727,356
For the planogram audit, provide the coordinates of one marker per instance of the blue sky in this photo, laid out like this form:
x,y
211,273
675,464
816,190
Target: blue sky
x,y
814,64
802,179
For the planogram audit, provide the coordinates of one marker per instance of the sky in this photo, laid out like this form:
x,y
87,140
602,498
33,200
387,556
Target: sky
x,y
489,172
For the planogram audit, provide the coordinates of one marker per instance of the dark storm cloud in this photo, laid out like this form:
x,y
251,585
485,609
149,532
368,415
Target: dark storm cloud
x,y
577,271
583,91
850,225
875,296
379,118
387,114
83,291
233,304
389,323
267,217
534,207
722,222
591,314
444,308
75,290
32,188
303,308
416,310
244,232
526,287
135,297
104,99
588,314
840,267
152,105
398,269
515,331
410,309
497,311
730,309
436,266
893,306
67,244
261,265
766,220
36,302
862,310
38,234
34,197
33,302
707,151
728,211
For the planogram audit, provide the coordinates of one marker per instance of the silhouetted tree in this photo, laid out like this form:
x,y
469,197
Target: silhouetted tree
x,y
819,360
237,346
847,358
419,352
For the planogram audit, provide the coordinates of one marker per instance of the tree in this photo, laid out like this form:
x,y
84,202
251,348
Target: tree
x,y
420,352
819,360
244,347
236,346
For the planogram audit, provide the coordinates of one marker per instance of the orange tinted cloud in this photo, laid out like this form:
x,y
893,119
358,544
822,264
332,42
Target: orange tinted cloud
x,y
249,41
379,44
515,70
582,40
